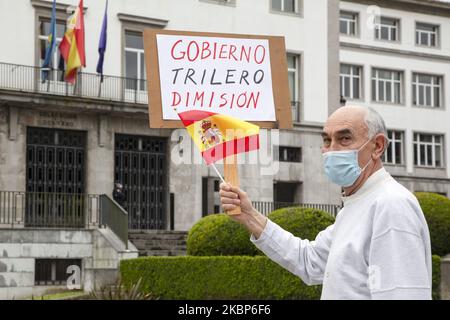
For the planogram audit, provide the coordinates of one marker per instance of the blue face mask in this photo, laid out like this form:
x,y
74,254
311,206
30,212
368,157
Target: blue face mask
x,y
342,167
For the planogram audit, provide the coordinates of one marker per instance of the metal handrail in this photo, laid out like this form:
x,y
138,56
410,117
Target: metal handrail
x,y
62,210
88,85
266,207
48,210
115,217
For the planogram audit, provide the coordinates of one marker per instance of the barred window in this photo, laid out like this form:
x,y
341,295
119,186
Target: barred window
x,y
54,271
290,154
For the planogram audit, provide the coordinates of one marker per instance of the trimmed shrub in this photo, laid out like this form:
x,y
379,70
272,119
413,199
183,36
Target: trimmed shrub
x,y
237,277
219,235
436,209
436,260
199,278
305,223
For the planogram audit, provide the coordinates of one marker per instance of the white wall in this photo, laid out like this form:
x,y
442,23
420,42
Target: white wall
x,y
403,117
407,29
307,35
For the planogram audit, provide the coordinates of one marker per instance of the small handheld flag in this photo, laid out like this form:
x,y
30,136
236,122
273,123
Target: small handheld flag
x,y
219,136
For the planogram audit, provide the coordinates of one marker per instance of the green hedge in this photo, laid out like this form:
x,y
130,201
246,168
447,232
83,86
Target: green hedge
x,y
219,235
197,278
436,261
305,223
234,277
436,209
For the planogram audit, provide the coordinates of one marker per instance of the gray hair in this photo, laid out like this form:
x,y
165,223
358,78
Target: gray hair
x,y
375,124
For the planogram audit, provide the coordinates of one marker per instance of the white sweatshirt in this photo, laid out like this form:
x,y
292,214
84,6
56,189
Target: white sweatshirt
x,y
378,247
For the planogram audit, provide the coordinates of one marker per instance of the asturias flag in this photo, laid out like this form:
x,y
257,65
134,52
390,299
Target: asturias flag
x,y
219,136
102,43
51,45
72,46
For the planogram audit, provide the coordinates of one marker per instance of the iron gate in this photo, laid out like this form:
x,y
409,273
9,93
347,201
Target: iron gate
x,y
140,165
55,178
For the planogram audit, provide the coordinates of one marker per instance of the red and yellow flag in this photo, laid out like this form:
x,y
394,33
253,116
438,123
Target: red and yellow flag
x,y
72,46
219,136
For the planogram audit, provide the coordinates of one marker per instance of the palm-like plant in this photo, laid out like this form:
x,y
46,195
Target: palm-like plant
x,y
121,292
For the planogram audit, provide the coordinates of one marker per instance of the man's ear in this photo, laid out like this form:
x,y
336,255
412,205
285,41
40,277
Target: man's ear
x,y
380,146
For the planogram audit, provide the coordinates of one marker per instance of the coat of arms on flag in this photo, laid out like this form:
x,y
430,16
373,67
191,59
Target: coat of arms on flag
x,y
219,136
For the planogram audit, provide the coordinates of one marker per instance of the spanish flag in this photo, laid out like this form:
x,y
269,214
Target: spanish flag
x,y
219,136
72,46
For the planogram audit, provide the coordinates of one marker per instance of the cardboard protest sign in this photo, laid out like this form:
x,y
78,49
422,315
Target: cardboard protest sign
x,y
236,75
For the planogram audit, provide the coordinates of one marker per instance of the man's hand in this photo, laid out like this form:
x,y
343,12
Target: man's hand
x,y
232,197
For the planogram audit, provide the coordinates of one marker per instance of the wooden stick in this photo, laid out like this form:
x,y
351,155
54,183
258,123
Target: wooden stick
x,y
230,170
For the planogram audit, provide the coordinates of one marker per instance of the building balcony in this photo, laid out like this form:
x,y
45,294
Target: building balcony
x,y
14,77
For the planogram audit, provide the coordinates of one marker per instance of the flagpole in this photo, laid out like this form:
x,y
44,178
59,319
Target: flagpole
x,y
218,173
100,87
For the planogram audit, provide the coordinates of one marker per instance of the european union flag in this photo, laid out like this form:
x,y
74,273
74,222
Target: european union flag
x,y
102,43
46,66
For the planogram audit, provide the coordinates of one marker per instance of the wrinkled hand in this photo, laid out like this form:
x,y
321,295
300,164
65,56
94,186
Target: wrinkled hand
x,y
232,197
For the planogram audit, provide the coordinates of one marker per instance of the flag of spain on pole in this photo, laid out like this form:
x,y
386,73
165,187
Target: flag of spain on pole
x,y
219,136
72,46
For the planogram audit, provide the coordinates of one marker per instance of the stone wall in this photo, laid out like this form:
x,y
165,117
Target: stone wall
x,y
185,168
100,251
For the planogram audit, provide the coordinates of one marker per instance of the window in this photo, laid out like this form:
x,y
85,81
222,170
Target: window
x,y
135,62
54,271
428,150
348,23
350,78
387,29
289,6
387,86
286,193
216,185
44,30
293,70
394,151
427,90
210,196
427,34
290,154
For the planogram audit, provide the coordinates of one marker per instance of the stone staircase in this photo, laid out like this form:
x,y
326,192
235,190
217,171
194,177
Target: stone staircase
x,y
159,242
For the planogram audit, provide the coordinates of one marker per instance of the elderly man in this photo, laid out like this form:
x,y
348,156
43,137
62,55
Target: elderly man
x,y
379,245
